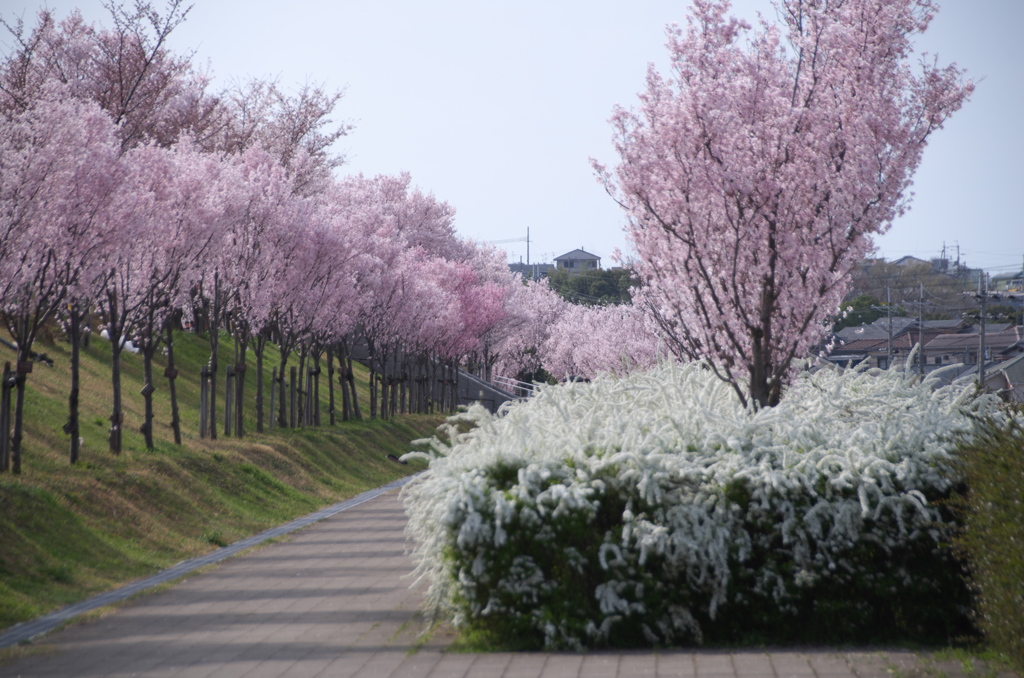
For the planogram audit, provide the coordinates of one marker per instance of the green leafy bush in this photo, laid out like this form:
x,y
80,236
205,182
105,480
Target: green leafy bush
x,y
655,510
993,535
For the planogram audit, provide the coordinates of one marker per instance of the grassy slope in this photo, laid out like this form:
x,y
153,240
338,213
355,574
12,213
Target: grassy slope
x,y
70,531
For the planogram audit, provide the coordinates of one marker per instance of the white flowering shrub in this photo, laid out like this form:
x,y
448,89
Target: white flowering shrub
x,y
654,510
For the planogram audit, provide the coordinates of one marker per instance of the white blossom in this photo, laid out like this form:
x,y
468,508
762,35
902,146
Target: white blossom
x,y
848,457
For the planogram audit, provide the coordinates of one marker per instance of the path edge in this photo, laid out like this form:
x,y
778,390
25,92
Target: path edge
x,y
25,631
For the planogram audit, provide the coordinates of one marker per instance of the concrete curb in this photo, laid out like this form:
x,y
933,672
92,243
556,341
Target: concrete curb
x,y
26,631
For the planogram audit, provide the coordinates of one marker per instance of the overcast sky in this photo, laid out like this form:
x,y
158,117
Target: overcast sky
x,y
496,107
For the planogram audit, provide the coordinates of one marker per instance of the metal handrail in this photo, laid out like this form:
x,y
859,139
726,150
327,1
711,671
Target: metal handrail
x,y
520,389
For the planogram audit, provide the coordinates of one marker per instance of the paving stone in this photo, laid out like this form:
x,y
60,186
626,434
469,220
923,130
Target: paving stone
x,y
828,664
640,665
751,664
526,665
419,664
676,665
870,664
600,666
452,666
489,665
332,601
563,666
712,665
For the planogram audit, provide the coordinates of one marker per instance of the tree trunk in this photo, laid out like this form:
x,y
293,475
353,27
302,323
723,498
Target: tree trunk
x,y
455,386
172,373
385,391
350,376
72,426
258,347
442,398
117,414
403,383
19,411
212,376
282,405
6,384
303,405
330,384
147,392
316,389
213,334
240,370
373,390
395,401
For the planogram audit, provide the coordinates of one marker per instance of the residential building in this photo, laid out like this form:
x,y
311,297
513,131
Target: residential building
x,y
578,261
1001,343
533,271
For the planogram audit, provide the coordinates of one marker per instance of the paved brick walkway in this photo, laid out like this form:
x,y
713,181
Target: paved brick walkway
x,y
332,601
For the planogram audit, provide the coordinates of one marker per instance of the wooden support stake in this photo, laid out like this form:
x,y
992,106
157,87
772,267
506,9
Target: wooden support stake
x,y
273,398
229,399
293,373
204,385
5,417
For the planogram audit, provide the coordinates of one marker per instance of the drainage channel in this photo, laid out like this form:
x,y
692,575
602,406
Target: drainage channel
x,y
25,631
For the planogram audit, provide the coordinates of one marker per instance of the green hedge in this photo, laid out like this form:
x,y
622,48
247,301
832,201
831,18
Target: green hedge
x,y
993,534
654,510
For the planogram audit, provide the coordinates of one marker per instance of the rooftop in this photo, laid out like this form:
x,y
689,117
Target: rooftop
x,y
578,254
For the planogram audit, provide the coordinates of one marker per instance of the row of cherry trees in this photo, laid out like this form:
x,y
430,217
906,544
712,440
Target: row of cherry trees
x,y
545,335
753,181
132,196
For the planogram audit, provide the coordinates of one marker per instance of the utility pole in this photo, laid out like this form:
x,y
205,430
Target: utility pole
x,y
983,295
920,330
888,348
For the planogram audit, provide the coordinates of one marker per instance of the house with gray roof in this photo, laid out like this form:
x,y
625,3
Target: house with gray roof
x,y
578,261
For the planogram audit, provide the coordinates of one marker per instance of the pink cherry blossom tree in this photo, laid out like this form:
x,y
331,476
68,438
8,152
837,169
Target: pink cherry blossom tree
x,y
492,307
151,94
295,133
178,228
756,173
297,129
252,260
588,340
166,217
58,174
356,251
404,228
533,309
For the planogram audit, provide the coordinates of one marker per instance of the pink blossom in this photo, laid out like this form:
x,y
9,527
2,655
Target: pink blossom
x,y
756,173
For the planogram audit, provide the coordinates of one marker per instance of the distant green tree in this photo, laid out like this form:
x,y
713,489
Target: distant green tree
x,y
866,309
945,293
1004,313
594,287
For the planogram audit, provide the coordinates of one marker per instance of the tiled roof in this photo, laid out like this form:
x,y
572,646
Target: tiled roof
x,y
848,334
989,328
858,345
943,324
577,254
963,342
